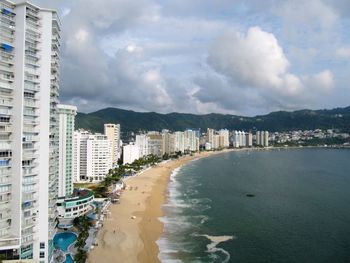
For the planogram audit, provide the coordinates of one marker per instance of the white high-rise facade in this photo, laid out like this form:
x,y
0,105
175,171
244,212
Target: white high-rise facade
x,y
66,123
130,153
80,155
142,143
190,141
29,47
179,141
92,156
226,137
98,157
112,131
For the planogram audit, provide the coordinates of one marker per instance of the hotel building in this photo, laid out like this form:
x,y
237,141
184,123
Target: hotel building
x,y
112,131
79,155
92,156
29,50
66,130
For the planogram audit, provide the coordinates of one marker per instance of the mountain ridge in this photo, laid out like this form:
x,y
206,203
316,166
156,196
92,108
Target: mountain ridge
x,y
305,119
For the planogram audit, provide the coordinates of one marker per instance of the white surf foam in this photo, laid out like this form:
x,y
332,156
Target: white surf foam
x,y
216,240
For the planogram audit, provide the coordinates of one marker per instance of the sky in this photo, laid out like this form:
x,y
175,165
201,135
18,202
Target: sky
x,y
202,56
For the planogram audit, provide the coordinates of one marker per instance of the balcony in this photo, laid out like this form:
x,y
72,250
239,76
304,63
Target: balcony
x,y
32,55
32,38
7,68
7,77
5,180
32,13
5,206
28,200
6,57
30,103
5,112
29,155
9,242
5,191
28,239
30,180
31,86
31,122
30,191
29,128
5,102
29,113
32,62
8,86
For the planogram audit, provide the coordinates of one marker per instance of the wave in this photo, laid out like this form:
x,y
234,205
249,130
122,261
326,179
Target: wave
x,y
213,249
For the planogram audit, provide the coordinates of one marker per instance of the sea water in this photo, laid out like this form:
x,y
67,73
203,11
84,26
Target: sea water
x,y
298,211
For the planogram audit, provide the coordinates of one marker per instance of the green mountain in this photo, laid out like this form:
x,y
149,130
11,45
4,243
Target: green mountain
x,y
338,118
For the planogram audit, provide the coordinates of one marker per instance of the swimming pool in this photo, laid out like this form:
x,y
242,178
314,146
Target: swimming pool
x,y
69,259
63,241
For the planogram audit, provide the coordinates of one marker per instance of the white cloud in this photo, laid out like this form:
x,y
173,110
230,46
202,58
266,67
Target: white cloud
x,y
253,60
320,82
314,13
255,63
343,52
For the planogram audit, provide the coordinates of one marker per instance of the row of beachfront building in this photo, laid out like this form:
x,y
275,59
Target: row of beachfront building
x,y
92,155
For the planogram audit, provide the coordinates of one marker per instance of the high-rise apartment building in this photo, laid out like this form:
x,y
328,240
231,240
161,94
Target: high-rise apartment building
x,y
130,153
66,130
142,143
92,156
257,138
210,134
179,141
155,143
80,155
191,141
168,142
29,50
98,157
266,139
249,139
112,131
225,134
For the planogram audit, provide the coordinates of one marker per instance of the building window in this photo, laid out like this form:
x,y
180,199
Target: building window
x,y
42,245
42,254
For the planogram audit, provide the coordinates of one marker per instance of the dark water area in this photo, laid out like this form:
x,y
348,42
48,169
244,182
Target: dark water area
x,y
260,206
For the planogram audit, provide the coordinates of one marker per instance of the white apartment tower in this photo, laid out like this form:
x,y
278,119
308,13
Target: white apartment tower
x,y
179,141
210,134
112,131
80,155
190,141
142,143
92,156
226,137
98,157
66,130
130,153
29,50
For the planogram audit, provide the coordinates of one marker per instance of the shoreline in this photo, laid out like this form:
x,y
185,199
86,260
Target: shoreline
x,y
130,232
133,227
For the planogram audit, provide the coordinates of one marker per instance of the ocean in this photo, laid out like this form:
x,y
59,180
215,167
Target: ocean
x,y
290,205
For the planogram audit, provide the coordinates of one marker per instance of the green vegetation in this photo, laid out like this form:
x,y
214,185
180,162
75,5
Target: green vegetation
x,y
115,174
84,225
338,118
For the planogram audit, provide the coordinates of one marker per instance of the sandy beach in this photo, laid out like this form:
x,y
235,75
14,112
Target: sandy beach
x,y
127,239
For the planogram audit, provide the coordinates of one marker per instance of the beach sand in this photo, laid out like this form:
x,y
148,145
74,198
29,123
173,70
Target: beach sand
x,y
126,239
